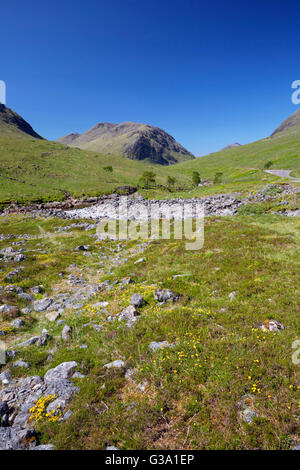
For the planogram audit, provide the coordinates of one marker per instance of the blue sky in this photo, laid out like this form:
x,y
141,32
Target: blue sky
x,y
208,72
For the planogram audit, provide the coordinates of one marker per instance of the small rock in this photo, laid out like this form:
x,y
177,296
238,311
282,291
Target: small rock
x,y
29,342
44,447
296,447
129,314
9,311
82,247
41,305
78,375
111,448
271,325
137,300
246,408
5,377
14,438
232,295
22,364
11,354
18,323
154,346
126,280
248,415
19,258
43,339
26,297
26,310
66,333
61,372
100,305
52,316
67,415
118,364
37,289
164,295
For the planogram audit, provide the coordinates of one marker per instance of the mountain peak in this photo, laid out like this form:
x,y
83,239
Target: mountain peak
x,y
291,124
13,124
136,141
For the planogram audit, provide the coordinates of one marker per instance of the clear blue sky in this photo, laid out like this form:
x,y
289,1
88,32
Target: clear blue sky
x,y
208,72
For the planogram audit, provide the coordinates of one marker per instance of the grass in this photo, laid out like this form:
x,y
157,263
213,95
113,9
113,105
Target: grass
x,y
190,392
39,171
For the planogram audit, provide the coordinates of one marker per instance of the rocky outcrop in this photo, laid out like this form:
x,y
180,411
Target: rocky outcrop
x,y
20,396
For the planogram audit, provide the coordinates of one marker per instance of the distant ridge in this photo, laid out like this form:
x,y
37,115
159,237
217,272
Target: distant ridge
x,y
11,124
132,140
231,146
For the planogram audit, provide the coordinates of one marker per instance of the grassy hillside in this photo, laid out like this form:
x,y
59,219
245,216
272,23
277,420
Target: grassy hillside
x,y
46,170
242,167
42,170
283,151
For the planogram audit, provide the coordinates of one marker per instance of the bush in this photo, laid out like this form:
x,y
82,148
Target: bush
x,y
196,178
171,181
218,178
252,209
109,169
268,164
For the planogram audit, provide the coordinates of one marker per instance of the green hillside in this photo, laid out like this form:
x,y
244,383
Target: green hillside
x,y
38,170
243,167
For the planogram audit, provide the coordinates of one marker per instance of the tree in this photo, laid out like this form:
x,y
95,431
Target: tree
x,y
147,180
196,178
171,181
268,164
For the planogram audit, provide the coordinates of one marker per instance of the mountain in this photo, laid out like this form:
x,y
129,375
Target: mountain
x,y
132,140
231,146
13,125
291,124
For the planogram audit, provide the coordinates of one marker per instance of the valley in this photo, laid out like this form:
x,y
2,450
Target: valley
x,y
141,343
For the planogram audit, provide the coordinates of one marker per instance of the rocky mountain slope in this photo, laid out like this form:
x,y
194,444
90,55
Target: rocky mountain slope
x,y
129,139
291,124
11,124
